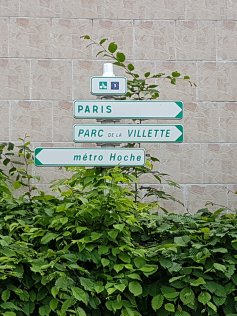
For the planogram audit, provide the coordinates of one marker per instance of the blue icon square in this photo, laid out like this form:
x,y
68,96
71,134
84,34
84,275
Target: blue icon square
x,y
114,85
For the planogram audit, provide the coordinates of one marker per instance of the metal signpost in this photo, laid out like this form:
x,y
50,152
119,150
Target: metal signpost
x,y
127,133
89,157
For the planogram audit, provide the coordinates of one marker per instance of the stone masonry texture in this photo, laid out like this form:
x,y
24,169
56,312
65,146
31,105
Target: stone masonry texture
x,y
45,65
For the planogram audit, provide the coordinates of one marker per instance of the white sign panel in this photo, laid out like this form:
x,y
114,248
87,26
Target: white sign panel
x,y
134,109
127,133
108,85
89,157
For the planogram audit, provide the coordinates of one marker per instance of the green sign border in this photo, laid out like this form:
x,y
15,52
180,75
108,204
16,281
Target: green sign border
x,y
38,163
177,117
178,126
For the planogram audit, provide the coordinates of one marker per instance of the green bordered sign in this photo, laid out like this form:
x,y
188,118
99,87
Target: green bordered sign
x,y
133,109
89,157
108,85
128,133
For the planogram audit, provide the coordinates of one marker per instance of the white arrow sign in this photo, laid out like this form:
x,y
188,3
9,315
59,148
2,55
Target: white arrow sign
x,y
134,109
89,157
131,133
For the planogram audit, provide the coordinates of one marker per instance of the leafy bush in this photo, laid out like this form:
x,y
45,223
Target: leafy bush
x,y
95,250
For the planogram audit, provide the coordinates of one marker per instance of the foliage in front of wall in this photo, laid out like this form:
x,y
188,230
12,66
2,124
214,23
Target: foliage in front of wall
x,y
140,86
96,249
93,250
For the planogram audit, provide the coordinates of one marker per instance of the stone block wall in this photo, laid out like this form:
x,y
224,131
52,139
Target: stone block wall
x,y
44,66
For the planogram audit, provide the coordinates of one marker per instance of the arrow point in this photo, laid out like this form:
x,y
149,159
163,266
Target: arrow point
x,y
37,161
180,113
180,139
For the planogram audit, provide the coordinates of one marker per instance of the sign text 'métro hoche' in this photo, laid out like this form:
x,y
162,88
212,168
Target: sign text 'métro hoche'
x,y
89,157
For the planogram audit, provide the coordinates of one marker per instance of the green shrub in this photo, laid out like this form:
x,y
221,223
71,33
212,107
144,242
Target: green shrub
x,y
95,250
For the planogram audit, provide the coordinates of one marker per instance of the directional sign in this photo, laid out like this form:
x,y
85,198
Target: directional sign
x,y
131,133
134,109
89,157
108,85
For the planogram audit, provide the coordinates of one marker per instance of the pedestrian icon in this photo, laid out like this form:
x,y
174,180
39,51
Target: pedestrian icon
x,y
103,85
115,85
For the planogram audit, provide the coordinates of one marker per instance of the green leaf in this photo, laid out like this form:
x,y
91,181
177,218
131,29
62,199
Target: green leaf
x,y
219,300
112,47
54,291
99,288
147,74
187,296
80,312
9,305
139,262
149,269
5,295
80,229
219,267
118,267
17,185
88,284
48,237
174,279
102,250
198,282
134,276
169,307
100,52
105,262
119,227
103,40
53,304
215,288
66,305
182,313
135,288
80,295
173,81
63,282
111,290
124,257
212,306
234,279
169,292
6,161
130,67
153,86
204,297
221,250
182,241
85,37
95,236
121,287
157,302
120,57
186,77
113,234
175,74
9,314
44,310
